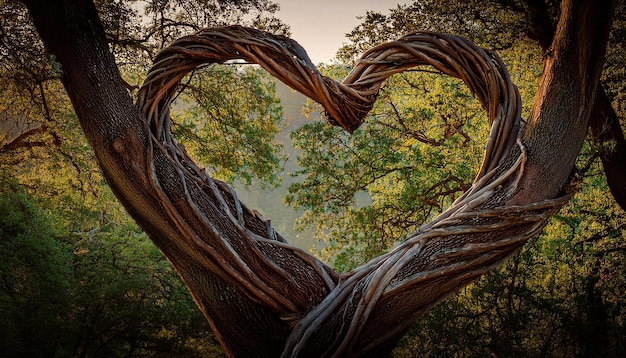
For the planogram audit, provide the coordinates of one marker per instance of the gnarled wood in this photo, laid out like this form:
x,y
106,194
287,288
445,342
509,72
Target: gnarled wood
x,y
362,291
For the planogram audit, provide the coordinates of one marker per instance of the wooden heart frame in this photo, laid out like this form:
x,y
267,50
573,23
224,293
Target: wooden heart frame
x,y
373,305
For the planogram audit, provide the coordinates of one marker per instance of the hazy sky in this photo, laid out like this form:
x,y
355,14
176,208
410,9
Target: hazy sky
x,y
320,26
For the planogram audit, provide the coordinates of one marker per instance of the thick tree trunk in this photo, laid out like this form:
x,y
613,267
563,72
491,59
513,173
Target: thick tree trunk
x,y
566,96
604,123
265,298
247,323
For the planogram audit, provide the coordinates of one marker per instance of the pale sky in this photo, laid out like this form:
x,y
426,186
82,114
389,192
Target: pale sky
x,y
320,26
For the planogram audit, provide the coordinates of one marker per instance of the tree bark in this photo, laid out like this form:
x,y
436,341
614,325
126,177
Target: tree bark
x,y
247,322
607,131
265,298
565,99
604,124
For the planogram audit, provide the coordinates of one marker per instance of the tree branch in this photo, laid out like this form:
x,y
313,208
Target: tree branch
x,y
604,124
607,131
21,140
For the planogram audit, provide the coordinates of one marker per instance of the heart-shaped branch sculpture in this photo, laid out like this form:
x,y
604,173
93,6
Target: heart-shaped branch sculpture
x,y
373,305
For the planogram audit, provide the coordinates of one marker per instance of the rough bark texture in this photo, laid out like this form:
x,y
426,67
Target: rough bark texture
x,y
265,298
604,123
119,135
565,98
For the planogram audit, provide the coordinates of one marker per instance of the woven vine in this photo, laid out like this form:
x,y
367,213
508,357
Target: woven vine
x,y
465,241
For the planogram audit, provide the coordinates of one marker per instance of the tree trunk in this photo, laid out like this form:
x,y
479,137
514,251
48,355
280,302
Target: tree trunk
x,y
266,298
607,131
604,125
565,98
247,322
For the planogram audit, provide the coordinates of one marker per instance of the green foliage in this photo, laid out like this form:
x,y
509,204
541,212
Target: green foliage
x,y
562,296
417,152
103,291
135,43
234,111
230,123
34,276
486,23
128,301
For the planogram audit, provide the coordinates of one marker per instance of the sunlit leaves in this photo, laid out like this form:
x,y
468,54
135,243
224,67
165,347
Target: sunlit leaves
x,y
56,162
486,23
229,123
415,154
421,144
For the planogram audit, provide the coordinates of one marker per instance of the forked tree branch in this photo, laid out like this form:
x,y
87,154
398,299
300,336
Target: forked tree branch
x,y
469,238
604,124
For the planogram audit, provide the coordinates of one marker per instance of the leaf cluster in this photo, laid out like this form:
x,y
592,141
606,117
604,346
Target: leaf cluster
x,y
234,109
414,156
94,286
486,23
229,120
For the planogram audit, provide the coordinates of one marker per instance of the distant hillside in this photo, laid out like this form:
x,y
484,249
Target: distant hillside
x,y
270,202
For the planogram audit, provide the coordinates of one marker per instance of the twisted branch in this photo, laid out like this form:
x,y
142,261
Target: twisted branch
x,y
380,299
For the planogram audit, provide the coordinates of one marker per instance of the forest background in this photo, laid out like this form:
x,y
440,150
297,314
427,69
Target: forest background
x,y
79,278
